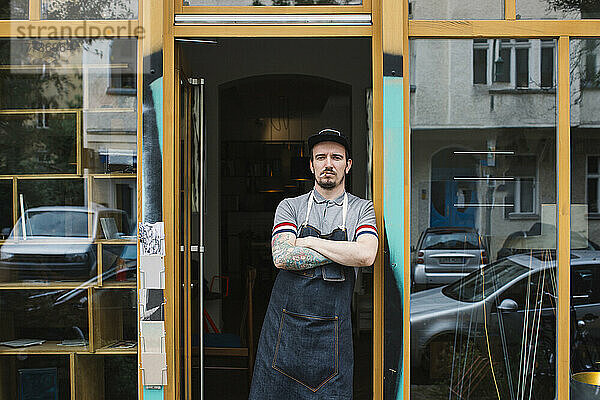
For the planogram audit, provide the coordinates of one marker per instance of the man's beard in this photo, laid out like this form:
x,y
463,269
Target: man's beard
x,y
326,184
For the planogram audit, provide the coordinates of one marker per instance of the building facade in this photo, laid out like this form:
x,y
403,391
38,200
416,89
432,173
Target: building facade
x,y
146,145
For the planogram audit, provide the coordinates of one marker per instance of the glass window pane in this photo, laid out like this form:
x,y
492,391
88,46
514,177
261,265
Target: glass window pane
x,y
6,215
68,169
50,316
33,374
51,145
96,79
557,9
547,67
585,232
94,9
522,68
14,9
445,10
502,65
483,235
480,65
119,264
272,2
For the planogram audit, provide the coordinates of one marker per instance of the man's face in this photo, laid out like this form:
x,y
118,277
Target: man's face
x,y
329,164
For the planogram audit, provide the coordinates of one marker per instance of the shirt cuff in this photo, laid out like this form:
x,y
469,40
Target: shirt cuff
x,y
370,229
285,227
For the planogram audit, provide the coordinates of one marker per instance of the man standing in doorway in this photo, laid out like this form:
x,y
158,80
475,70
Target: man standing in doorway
x,y
319,239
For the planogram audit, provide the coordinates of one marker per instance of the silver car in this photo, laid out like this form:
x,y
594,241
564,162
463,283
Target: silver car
x,y
505,312
444,255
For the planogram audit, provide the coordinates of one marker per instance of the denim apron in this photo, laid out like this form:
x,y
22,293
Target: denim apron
x,y
305,348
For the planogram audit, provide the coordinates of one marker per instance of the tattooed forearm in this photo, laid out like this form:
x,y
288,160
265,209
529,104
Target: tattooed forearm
x,y
288,256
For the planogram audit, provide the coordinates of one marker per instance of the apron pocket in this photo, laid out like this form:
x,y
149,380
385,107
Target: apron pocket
x,y
307,349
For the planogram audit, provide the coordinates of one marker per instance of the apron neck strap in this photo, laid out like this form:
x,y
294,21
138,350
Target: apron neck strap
x,y
344,211
311,200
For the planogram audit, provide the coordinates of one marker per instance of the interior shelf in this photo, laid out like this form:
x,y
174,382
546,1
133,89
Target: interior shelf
x,y
111,350
48,347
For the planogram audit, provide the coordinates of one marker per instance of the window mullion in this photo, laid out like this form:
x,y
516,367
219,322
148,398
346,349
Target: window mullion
x,y
563,164
510,9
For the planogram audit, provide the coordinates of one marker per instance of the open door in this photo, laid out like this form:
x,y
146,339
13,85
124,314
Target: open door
x,y
243,128
191,232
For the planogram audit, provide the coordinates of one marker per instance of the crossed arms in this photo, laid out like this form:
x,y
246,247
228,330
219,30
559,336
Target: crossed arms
x,y
294,253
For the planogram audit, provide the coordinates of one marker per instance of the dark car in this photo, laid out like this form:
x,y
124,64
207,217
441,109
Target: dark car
x,y
444,255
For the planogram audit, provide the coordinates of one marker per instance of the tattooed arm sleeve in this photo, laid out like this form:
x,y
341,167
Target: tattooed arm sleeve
x,y
288,256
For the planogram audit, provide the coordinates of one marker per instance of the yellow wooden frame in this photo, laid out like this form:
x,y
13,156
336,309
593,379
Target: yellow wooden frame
x,y
171,149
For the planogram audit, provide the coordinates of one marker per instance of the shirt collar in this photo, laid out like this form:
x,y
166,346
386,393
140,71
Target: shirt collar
x,y
320,199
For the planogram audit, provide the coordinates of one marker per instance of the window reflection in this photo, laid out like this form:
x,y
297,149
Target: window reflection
x,y
585,231
557,9
89,9
446,9
271,2
484,194
68,167
14,9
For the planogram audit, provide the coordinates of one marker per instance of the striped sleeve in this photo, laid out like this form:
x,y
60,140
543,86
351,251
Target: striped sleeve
x,y
285,219
366,221
285,227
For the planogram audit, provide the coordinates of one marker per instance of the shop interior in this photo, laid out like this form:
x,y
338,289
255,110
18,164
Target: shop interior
x,y
262,98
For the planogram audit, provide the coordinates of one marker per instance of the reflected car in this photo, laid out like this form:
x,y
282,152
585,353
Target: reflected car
x,y
540,236
501,311
444,255
57,242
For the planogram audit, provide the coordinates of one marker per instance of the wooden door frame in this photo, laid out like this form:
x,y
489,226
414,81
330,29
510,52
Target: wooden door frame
x,y
171,156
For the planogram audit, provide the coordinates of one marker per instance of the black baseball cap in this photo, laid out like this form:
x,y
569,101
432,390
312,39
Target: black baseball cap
x,y
329,135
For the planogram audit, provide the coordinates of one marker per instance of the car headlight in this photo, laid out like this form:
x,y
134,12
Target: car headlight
x,y
4,256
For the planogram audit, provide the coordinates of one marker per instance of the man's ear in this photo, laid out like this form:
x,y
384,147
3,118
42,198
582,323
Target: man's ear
x,y
348,165
310,164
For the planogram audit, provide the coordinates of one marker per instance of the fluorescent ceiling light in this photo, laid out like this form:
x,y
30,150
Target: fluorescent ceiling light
x,y
276,19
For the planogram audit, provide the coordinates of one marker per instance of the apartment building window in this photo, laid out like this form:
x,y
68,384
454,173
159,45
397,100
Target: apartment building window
x,y
480,56
547,63
522,196
506,61
591,74
123,73
592,184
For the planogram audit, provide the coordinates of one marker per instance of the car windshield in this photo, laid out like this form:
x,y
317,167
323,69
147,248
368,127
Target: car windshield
x,y
55,223
451,241
491,278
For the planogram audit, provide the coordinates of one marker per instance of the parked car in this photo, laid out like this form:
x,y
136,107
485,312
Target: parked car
x,y
508,307
57,242
444,255
540,236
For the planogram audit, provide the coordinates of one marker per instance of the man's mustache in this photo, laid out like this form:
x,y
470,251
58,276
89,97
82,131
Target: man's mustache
x,y
328,170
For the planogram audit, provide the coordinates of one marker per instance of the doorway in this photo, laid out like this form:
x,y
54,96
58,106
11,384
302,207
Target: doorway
x,y
247,107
